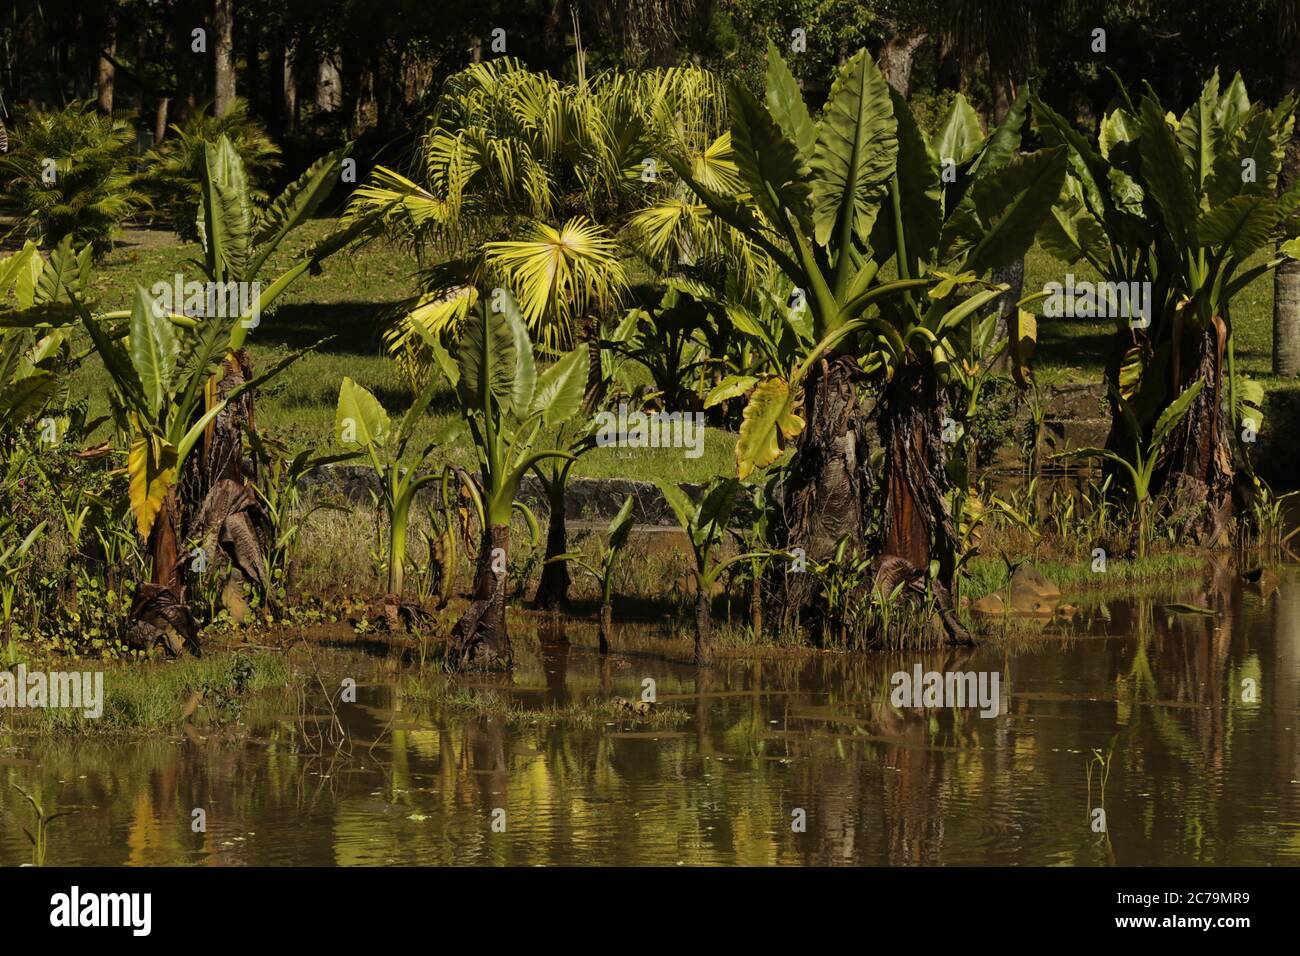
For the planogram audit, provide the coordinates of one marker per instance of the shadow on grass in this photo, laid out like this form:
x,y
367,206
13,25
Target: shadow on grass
x,y
358,327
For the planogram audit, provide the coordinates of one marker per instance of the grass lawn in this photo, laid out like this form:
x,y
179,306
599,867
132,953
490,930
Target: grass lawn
x,y
356,294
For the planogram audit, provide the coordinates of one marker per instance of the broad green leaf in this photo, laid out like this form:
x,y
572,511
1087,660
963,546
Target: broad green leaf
x,y
1004,142
621,526
1199,135
920,193
1244,224
1166,175
225,212
153,350
683,508
486,357
1249,395
523,369
1072,233
561,388
769,163
960,138
998,219
359,419
733,386
1233,105
785,103
856,153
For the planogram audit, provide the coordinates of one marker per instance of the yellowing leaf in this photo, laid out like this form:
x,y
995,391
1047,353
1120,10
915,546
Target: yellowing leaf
x,y
151,467
769,416
1024,339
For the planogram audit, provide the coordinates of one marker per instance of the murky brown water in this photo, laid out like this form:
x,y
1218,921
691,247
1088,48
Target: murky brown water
x,y
1197,774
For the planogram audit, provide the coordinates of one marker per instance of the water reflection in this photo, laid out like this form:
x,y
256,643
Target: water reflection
x,y
1199,772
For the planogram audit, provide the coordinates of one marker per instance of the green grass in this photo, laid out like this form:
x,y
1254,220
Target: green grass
x,y
989,575
151,699
1073,351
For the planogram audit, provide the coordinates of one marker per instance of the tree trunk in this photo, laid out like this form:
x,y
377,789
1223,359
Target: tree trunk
x,y
606,625
918,525
896,59
479,640
223,56
703,624
1195,475
553,589
160,119
288,91
826,487
329,85
160,612
1286,280
756,606
106,72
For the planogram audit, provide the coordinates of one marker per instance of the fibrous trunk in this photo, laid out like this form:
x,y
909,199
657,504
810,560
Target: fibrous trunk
x,y
228,518
479,640
606,626
826,486
160,612
553,589
1195,476
703,624
918,525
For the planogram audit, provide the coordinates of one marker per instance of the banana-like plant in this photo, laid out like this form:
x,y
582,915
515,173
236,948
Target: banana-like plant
x,y
505,404
1145,454
159,376
1179,206
705,524
603,570
830,202
362,425
238,240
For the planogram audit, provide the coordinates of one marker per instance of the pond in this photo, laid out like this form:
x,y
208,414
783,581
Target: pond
x,y
1182,727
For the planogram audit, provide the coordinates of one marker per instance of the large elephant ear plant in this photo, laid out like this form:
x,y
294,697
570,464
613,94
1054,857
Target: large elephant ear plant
x,y
831,200
1187,208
